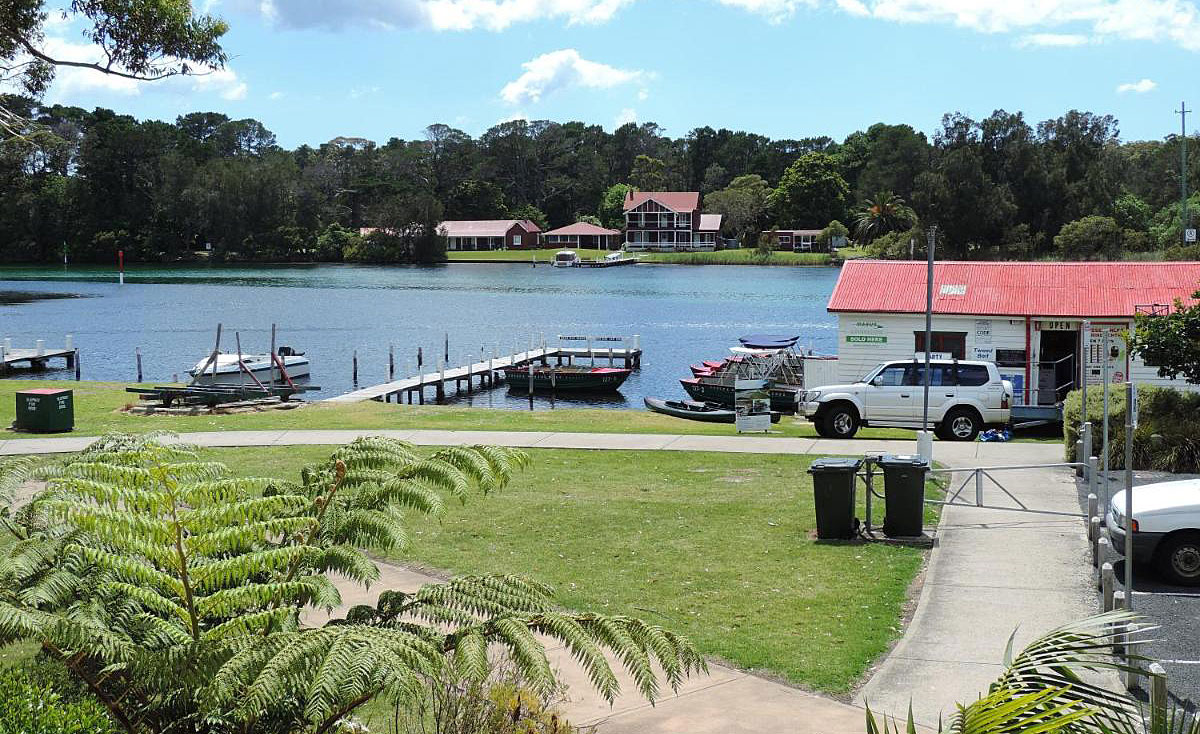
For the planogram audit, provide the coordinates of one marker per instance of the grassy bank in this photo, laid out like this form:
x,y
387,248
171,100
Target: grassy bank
x,y
736,257
98,410
716,546
722,257
521,256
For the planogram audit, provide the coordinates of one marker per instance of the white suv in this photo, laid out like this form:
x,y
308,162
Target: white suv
x,y
964,397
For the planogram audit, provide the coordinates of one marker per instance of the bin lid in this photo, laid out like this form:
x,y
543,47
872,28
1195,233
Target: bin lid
x,y
834,465
43,391
899,460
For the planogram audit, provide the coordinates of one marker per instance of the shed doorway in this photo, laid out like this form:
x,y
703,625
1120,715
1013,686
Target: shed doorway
x,y
1058,360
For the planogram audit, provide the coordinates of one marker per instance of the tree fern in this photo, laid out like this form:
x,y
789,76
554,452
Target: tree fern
x,y
175,591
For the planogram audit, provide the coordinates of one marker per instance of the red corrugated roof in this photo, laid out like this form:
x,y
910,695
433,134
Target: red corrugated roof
x,y
582,228
676,201
485,227
1079,290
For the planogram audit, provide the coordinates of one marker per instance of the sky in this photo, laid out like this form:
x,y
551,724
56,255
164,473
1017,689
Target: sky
x,y
312,70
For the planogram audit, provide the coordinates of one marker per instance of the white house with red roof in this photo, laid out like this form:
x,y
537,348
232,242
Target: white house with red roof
x,y
489,234
1027,317
669,221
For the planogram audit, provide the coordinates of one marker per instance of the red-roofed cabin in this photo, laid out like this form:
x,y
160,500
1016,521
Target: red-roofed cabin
x,y
1028,318
490,234
583,234
669,221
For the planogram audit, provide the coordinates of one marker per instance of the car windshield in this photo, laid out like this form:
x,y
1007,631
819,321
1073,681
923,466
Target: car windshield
x,y
871,375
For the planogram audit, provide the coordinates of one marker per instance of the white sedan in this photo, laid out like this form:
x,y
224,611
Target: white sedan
x,y
1166,528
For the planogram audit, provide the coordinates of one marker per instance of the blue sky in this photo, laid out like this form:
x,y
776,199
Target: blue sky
x,y
315,69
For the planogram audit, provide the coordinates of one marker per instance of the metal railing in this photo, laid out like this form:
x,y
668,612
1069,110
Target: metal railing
x,y
978,475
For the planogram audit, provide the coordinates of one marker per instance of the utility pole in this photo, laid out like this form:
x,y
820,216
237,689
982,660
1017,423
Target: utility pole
x,y
1184,219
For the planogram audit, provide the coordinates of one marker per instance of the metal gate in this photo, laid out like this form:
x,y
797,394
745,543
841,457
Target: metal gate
x,y
983,479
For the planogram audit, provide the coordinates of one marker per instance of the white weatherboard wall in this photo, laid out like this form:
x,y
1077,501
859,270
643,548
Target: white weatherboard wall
x,y
866,339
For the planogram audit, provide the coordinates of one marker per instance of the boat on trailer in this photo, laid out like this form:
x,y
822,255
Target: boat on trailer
x,y
580,379
225,370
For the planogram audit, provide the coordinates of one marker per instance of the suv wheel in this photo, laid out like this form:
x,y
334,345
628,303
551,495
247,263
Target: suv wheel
x,y
841,422
1178,559
960,424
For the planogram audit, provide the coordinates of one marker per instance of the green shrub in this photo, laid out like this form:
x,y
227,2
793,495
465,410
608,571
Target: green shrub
x,y
31,702
1167,436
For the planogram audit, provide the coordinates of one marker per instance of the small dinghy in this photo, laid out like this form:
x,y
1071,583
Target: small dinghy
x,y
694,410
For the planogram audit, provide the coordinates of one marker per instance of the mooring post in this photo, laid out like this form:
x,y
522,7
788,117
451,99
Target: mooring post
x,y
391,363
591,354
40,347
1107,581
137,353
75,360
441,385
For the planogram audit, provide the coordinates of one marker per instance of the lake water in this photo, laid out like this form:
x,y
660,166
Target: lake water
x,y
683,314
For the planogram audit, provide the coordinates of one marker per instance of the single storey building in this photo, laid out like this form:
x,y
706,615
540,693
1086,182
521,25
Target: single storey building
x,y
583,234
490,234
1026,317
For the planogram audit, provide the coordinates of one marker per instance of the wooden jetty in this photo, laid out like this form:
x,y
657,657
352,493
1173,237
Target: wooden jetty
x,y
37,357
602,263
488,373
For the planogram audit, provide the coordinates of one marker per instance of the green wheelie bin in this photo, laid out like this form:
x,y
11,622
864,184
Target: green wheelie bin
x,y
833,497
904,495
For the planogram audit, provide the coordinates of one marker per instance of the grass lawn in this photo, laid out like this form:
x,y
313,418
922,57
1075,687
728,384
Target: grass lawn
x,y
523,256
97,405
736,257
716,546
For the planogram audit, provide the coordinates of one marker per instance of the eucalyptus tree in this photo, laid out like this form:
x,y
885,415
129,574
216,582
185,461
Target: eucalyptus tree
x,y
176,592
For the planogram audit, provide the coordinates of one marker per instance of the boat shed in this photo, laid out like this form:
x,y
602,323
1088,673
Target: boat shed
x,y
583,234
1027,317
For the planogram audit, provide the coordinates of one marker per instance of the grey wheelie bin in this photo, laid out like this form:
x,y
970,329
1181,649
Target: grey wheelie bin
x,y
904,495
833,496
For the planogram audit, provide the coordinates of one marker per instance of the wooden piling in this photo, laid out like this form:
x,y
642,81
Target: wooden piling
x,y
137,351
391,363
354,368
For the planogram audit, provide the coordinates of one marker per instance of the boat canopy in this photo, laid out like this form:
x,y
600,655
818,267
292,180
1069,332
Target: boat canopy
x,y
756,352
768,341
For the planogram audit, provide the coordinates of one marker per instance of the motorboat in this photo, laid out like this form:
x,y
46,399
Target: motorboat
x,y
566,378
226,371
566,259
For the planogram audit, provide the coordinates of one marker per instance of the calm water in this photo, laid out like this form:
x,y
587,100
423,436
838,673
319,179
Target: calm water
x,y
683,313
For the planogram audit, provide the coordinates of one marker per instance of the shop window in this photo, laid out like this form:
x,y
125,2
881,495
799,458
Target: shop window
x,y
953,343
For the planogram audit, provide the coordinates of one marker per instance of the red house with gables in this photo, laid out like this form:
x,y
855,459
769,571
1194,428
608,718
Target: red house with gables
x,y
669,221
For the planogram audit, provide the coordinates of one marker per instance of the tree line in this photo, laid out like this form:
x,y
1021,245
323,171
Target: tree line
x,y
83,184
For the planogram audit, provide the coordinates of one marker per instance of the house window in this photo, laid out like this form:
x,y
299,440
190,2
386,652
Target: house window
x,y
1010,357
683,221
953,343
516,240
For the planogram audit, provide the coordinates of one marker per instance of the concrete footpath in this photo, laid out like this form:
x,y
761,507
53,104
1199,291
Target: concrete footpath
x,y
948,453
990,573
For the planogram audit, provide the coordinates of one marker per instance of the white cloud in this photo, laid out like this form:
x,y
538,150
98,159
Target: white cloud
x,y
1174,20
1052,40
854,7
223,81
626,116
442,15
776,11
1139,87
360,92
276,96
562,69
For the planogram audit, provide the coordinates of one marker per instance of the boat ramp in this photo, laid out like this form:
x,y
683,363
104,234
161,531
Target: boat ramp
x,y
488,373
